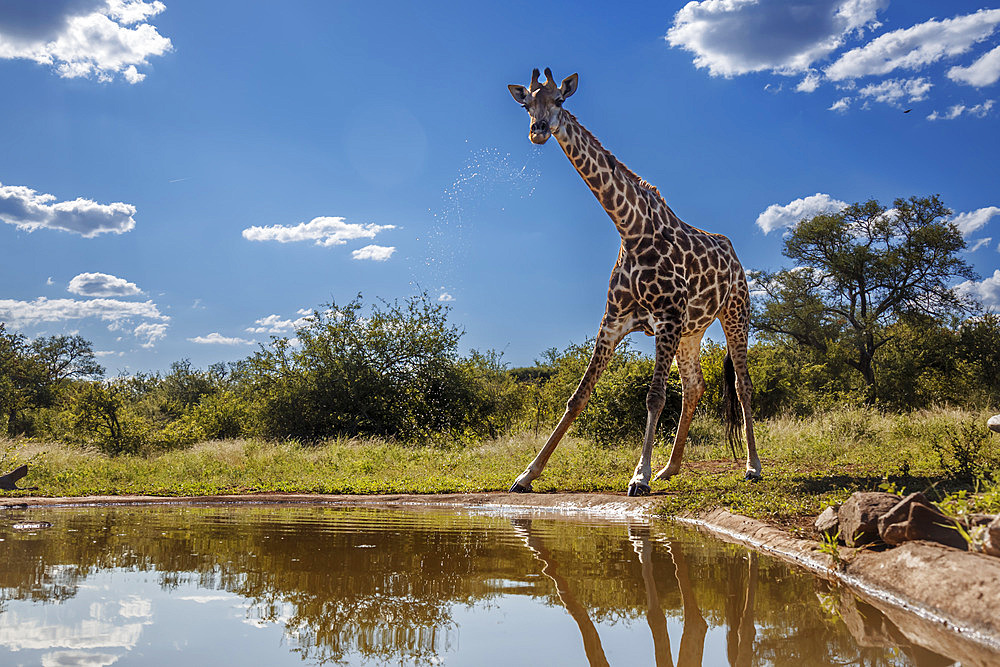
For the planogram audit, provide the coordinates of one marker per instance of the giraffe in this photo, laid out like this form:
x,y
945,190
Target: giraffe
x,y
671,281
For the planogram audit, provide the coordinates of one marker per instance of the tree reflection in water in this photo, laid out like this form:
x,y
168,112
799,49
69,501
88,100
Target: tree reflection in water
x,y
381,585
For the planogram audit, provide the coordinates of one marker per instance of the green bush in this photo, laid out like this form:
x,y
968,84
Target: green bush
x,y
101,417
616,412
967,452
226,414
389,370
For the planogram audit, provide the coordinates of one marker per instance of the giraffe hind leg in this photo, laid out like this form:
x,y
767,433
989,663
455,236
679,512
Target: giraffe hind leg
x,y
735,321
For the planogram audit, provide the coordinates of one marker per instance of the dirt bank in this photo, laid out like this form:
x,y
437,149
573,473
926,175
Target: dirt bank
x,y
952,594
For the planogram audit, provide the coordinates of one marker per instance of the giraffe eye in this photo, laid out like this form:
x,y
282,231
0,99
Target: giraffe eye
x,y
559,103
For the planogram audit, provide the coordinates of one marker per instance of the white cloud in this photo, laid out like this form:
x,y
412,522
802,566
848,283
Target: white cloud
x,y
149,333
102,284
841,105
325,231
22,313
986,291
983,72
973,221
916,46
892,91
953,112
133,11
732,37
276,325
77,659
777,216
28,210
84,38
216,338
809,84
981,243
378,253
445,296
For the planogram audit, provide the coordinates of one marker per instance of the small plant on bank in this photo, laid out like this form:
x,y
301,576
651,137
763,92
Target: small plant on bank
x,y
830,545
966,452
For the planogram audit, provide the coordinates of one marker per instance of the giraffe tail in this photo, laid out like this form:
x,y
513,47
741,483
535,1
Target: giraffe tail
x,y
732,413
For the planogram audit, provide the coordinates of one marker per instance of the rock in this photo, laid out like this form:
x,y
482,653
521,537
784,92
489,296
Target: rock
x,y
8,482
926,523
915,518
828,522
991,543
899,513
994,423
859,516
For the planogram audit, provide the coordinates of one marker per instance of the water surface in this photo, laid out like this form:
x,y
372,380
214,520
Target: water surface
x,y
275,585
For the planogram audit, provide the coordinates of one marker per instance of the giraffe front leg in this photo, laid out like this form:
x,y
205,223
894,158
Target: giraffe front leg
x,y
607,338
667,338
693,386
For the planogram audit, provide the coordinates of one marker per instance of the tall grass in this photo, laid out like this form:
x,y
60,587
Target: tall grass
x,y
808,462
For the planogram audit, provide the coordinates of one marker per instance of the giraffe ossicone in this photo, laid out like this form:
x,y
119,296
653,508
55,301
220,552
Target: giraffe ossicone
x,y
671,281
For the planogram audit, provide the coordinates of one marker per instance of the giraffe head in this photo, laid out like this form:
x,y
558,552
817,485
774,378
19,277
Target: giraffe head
x,y
543,102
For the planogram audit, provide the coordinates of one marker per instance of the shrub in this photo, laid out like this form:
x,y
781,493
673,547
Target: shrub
x,y
967,451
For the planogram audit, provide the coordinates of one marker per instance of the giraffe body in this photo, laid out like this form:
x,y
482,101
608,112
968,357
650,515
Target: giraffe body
x,y
671,281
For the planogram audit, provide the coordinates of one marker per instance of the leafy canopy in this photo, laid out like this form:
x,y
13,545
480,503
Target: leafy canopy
x,y
859,271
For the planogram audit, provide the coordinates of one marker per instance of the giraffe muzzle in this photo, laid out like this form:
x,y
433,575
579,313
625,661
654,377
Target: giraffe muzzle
x,y
539,132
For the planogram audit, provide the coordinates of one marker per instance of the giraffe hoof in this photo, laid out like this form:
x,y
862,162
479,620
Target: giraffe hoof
x,y
637,489
517,488
752,476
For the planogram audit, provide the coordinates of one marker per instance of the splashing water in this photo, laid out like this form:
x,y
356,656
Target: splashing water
x,y
466,201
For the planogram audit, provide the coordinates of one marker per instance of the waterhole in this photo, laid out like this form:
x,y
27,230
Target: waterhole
x,y
275,585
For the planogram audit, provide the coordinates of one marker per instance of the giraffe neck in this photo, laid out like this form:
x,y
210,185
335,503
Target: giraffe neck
x,y
627,198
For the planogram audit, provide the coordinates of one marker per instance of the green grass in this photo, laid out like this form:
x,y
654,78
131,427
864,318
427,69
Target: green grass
x,y
808,464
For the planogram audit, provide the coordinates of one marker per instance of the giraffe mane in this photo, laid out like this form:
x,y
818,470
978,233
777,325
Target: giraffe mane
x,y
628,173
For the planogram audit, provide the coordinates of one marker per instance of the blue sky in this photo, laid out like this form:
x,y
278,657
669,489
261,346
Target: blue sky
x,y
184,179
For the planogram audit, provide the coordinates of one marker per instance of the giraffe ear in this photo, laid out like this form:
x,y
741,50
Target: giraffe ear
x,y
519,93
568,86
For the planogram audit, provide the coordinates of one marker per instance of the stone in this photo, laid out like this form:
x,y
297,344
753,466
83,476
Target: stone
x,y
8,482
894,534
899,513
994,423
828,522
926,523
859,516
991,541
915,518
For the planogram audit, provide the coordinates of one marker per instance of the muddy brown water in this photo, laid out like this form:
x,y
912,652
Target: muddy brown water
x,y
265,584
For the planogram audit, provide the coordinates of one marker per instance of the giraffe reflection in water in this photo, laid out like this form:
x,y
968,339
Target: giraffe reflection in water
x,y
692,644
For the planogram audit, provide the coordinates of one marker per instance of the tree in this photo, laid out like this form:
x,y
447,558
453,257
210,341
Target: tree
x,y
32,373
858,271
